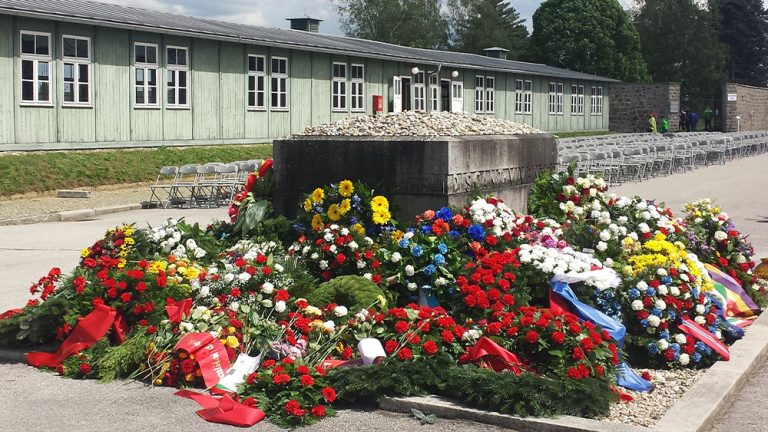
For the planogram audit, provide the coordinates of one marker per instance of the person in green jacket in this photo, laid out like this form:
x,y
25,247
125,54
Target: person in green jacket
x,y
709,116
652,123
664,124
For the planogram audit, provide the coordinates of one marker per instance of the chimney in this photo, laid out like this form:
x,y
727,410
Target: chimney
x,y
306,24
496,52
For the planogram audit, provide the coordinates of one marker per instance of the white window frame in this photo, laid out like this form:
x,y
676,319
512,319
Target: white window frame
x,y
479,94
357,88
518,96
457,96
176,70
579,100
339,88
419,90
552,97
596,101
528,97
257,75
574,99
36,59
559,89
434,92
490,94
282,87
146,67
76,62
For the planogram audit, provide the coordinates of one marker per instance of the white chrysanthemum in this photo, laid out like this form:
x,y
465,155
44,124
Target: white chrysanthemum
x,y
323,264
396,257
267,288
681,339
684,359
409,270
660,304
244,277
279,306
340,311
663,290
700,309
654,321
602,246
637,305
663,344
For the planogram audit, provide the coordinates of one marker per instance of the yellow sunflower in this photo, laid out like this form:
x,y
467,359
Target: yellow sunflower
x,y
379,203
345,206
317,222
333,213
381,217
307,205
318,195
346,188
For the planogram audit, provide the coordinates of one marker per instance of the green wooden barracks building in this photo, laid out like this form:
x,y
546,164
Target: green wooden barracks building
x,y
83,74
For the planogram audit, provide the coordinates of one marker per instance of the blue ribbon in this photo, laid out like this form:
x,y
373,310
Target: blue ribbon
x,y
625,375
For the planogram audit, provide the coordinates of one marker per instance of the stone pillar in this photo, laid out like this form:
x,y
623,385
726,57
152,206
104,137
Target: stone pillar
x,y
416,173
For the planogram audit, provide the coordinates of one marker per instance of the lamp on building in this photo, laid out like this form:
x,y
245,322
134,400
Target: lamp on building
x,y
455,74
415,70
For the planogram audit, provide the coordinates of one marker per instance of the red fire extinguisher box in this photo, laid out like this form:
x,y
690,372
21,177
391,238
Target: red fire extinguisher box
x,y
378,103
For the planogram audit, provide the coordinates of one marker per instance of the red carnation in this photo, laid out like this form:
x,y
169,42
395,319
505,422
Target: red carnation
x,y
429,347
532,336
306,380
281,378
401,327
318,411
293,408
85,368
302,369
405,354
558,337
329,394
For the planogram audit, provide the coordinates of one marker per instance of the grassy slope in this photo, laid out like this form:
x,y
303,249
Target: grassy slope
x,y
38,172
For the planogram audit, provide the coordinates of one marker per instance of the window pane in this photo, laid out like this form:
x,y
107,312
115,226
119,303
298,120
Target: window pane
x,y
283,66
28,43
182,96
251,63
171,99
260,64
83,93
83,73
70,47
274,85
42,71
42,45
27,90
182,78
172,56
283,100
139,95
69,92
181,57
139,76
69,72
251,99
260,81
42,91
251,83
82,48
152,77
141,54
152,95
274,99
275,65
171,79
151,55
260,99
27,69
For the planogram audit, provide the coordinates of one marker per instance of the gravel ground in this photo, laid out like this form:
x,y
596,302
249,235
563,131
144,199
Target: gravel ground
x,y
649,408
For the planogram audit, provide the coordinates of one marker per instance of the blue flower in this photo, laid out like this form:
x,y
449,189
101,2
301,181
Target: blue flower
x,y
355,200
477,233
675,347
444,213
417,251
426,229
644,322
439,260
667,280
672,315
442,248
353,220
299,227
453,233
403,243
430,270
656,311
634,294
664,335
696,357
650,292
653,348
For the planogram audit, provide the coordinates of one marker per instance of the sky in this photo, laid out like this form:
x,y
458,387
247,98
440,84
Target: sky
x,y
272,13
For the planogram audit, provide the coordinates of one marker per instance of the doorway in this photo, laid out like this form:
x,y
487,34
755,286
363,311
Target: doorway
x,y
445,95
406,89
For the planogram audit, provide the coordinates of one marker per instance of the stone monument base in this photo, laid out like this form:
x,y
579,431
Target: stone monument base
x,y
415,173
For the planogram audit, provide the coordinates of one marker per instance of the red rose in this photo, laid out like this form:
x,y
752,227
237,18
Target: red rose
x,y
306,380
587,344
558,337
85,368
281,378
329,394
532,336
318,411
405,354
577,354
447,336
429,347
293,408
126,297
402,327
302,369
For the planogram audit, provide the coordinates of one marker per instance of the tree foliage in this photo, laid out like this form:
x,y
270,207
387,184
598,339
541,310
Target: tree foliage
x,y
592,36
680,43
479,24
412,23
745,36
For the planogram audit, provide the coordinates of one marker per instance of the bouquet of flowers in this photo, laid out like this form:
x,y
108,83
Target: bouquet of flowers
x,y
352,205
336,250
252,204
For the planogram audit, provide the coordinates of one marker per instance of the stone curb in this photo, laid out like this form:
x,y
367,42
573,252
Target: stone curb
x,y
70,215
697,411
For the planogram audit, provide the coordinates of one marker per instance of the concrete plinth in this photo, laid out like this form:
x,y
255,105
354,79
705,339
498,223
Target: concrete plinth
x,y
415,173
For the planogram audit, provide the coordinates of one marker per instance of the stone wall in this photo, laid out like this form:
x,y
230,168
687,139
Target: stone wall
x,y
417,173
745,108
633,103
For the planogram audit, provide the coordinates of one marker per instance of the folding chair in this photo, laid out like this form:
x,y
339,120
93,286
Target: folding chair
x,y
161,190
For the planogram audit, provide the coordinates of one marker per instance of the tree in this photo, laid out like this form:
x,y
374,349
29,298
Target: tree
x,y
413,23
592,36
745,35
680,43
480,24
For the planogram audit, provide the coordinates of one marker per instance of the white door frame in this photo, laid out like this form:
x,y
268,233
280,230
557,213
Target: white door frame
x,y
457,103
397,98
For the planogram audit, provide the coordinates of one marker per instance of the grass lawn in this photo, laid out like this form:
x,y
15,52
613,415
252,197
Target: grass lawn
x,y
46,171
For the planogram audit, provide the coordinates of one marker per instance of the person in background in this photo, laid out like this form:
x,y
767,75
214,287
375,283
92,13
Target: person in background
x,y
709,116
693,118
683,121
652,123
664,124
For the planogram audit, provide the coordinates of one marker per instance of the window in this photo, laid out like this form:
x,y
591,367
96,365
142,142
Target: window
x,y
419,93
434,92
257,82
596,101
36,68
339,87
528,97
552,98
76,74
518,96
556,98
177,88
479,94
490,94
145,84
577,99
357,88
279,83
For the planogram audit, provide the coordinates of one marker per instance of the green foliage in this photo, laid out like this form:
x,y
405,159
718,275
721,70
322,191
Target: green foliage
x,y
745,35
592,36
35,325
413,23
39,172
480,24
250,217
120,361
540,199
355,292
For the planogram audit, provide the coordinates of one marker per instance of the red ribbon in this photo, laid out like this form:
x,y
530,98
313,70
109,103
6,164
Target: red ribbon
x,y
224,410
9,313
209,353
86,333
694,330
177,311
492,356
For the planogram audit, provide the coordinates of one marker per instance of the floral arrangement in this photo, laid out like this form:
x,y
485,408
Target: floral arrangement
x,y
348,204
337,250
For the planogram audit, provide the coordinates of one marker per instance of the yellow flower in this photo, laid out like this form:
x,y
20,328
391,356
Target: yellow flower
x,y
129,241
381,217
333,213
121,263
345,206
307,205
318,195
232,342
128,230
191,273
85,252
317,222
358,229
398,235
379,203
157,267
346,188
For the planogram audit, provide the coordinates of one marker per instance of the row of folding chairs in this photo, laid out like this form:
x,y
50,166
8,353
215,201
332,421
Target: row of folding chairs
x,y
200,185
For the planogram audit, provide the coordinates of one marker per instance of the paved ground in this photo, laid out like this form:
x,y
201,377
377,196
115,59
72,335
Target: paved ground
x,y
34,400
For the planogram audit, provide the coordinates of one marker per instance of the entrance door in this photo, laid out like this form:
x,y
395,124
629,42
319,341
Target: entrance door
x,y
407,97
397,99
445,95
457,96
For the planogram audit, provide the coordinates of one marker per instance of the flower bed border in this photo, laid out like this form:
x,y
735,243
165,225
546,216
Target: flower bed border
x,y
698,410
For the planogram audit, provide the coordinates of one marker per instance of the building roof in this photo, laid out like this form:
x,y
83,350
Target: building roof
x,y
111,15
